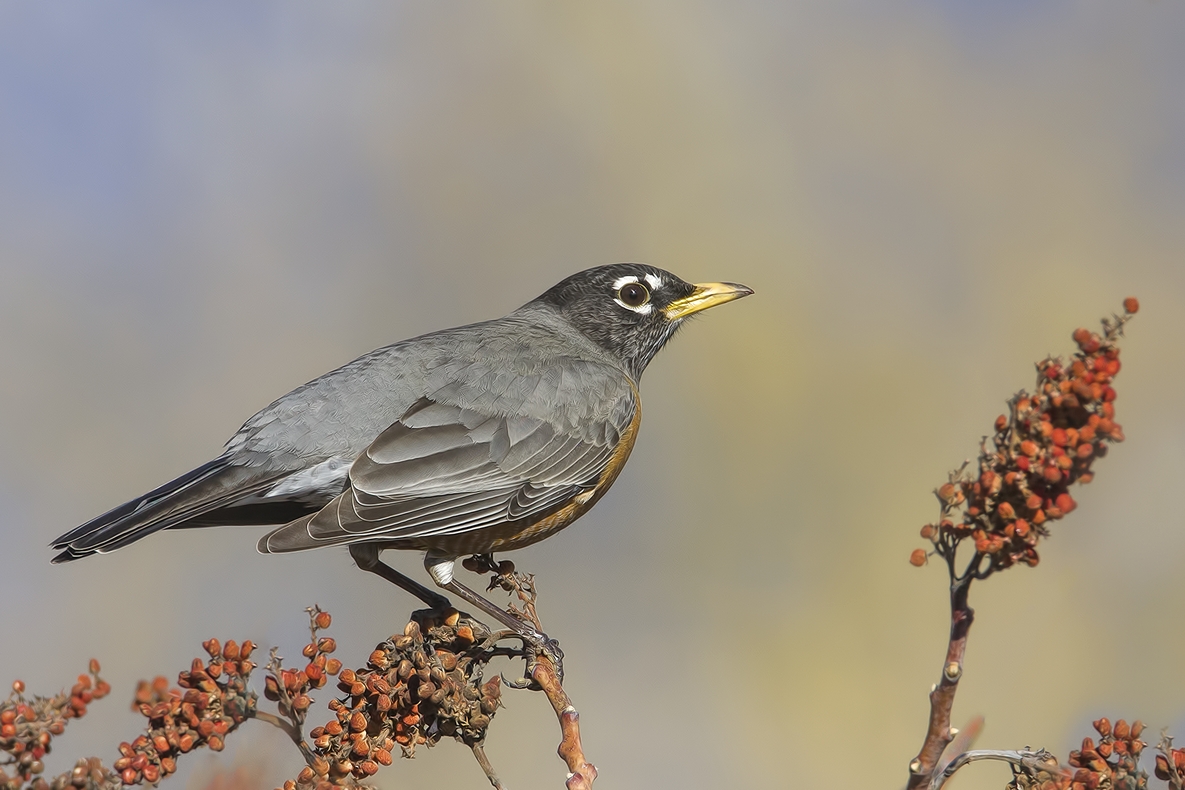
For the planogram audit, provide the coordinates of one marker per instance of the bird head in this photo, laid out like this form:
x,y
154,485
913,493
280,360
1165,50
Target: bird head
x,y
631,310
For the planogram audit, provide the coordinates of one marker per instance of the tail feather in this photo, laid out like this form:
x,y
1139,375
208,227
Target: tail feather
x,y
196,493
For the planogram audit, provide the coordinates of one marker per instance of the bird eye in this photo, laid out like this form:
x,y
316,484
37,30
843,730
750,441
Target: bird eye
x,y
633,294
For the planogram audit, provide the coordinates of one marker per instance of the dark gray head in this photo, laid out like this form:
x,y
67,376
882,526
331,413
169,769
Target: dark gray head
x,y
631,310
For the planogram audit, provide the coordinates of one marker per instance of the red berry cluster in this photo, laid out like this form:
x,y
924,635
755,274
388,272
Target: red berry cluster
x,y
1170,763
28,725
418,686
289,687
1048,442
1113,762
216,701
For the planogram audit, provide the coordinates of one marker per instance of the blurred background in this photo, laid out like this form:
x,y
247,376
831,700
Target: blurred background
x,y
205,205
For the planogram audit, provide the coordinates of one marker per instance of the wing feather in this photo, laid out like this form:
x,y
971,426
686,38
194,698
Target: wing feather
x,y
447,467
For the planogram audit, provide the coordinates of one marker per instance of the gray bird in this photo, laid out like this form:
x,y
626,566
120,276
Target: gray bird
x,y
482,438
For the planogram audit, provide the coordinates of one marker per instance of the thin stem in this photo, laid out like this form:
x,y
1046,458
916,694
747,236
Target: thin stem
x,y
1029,762
582,773
938,734
292,732
480,753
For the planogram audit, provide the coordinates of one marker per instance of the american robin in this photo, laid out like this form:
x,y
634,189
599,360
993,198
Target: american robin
x,y
482,438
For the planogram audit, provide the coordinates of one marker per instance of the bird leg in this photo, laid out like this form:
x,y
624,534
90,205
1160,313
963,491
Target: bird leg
x,y
440,568
366,556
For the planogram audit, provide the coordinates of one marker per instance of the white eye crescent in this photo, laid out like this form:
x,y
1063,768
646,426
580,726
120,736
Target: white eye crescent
x,y
632,294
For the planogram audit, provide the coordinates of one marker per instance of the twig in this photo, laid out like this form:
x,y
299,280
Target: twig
x,y
480,753
1029,762
291,730
942,697
582,774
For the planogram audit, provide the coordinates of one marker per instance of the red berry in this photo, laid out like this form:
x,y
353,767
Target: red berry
x,y
918,558
1131,305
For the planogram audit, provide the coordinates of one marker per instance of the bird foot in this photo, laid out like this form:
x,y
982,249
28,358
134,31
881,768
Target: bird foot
x,y
535,645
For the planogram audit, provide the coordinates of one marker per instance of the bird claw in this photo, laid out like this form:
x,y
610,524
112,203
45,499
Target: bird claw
x,y
520,683
538,644
545,645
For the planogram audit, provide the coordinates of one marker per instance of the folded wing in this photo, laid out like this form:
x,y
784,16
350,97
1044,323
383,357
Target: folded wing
x,y
444,469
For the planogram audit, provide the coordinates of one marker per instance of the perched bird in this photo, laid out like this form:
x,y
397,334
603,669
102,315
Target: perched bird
x,y
481,438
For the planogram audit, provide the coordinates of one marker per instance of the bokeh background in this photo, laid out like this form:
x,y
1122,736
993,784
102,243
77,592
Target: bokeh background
x,y
205,205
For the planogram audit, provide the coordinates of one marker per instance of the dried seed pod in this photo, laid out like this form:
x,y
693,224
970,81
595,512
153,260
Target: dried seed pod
x,y
327,644
322,620
357,722
383,757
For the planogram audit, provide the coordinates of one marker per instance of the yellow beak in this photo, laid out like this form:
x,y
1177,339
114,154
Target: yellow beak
x,y
704,296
